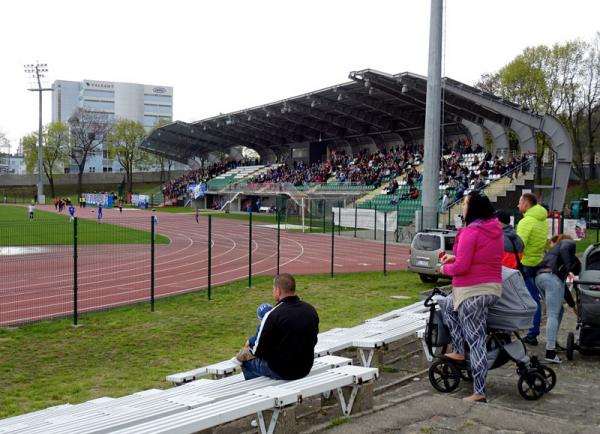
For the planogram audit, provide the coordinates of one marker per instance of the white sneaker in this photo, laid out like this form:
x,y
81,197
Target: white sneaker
x,y
254,423
236,361
551,359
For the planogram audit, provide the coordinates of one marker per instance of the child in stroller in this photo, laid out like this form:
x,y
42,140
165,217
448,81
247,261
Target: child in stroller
x,y
587,296
513,312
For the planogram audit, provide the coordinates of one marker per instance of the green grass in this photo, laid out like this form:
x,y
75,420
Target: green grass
x,y
56,229
129,349
575,192
589,239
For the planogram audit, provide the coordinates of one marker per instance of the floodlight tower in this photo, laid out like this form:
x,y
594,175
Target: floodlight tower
x,y
38,72
431,171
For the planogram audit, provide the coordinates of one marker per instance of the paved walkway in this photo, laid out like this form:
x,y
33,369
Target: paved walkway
x,y
572,407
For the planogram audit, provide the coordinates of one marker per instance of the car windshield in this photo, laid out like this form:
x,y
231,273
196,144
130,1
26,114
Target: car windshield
x,y
427,242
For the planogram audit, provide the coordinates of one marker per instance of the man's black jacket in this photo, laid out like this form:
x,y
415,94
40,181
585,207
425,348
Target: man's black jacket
x,y
287,338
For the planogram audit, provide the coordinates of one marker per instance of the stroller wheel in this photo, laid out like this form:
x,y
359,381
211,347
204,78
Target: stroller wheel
x,y
549,376
444,377
570,345
532,386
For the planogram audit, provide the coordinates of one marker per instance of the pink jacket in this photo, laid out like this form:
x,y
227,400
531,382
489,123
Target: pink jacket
x,y
478,249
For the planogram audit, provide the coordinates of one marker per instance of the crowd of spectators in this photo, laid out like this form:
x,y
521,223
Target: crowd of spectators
x,y
179,186
364,168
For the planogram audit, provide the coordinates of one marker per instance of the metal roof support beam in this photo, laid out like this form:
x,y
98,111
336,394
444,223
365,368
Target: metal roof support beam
x,y
365,118
411,120
221,138
526,134
281,126
499,136
475,131
327,117
318,128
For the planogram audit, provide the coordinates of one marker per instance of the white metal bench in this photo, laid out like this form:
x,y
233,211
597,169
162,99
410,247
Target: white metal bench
x,y
139,408
368,345
270,398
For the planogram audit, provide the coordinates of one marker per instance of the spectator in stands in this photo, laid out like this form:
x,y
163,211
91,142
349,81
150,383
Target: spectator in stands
x,y
533,230
287,336
476,272
513,245
559,263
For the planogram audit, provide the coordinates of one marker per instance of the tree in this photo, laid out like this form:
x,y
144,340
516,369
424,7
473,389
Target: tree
x,y
55,150
89,131
562,80
124,143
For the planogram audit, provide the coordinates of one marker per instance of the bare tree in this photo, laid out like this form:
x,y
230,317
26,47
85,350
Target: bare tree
x,y
89,131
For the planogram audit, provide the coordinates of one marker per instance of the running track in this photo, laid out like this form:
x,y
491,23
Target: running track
x,y
40,285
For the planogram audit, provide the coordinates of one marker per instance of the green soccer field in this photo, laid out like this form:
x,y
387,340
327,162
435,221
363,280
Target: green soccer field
x,y
49,228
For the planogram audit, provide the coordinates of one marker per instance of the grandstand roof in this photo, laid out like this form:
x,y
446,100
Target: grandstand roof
x,y
373,104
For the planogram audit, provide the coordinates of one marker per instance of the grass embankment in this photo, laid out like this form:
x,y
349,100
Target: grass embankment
x,y
50,228
129,349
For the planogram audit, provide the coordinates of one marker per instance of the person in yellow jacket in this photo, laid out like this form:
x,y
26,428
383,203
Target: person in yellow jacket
x,y
533,230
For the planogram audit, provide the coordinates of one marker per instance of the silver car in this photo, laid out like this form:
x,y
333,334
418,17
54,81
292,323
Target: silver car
x,y
426,251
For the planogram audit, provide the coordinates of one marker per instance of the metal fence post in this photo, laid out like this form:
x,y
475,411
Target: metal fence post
x,y
339,219
355,218
310,216
209,253
152,229
397,222
385,243
75,235
323,215
278,239
375,231
250,249
332,242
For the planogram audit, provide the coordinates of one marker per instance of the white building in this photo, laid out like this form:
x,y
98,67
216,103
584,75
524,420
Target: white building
x,y
147,104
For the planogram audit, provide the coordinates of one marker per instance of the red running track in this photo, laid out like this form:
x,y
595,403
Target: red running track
x,y
35,286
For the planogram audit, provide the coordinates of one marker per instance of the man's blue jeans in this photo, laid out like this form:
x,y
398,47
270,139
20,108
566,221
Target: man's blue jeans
x,y
529,275
258,368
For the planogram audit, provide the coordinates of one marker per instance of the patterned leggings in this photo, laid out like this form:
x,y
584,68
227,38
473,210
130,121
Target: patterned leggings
x,y
469,324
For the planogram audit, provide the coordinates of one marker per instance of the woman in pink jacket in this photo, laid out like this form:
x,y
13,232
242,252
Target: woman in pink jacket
x,y
476,270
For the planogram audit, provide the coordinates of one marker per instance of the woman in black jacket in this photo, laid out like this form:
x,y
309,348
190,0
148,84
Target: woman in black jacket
x,y
559,263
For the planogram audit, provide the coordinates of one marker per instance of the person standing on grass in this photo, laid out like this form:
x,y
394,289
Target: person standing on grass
x,y
285,342
100,212
197,215
120,206
533,231
72,212
30,210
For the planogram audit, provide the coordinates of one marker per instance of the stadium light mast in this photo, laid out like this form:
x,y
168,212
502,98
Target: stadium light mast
x,y
38,72
431,172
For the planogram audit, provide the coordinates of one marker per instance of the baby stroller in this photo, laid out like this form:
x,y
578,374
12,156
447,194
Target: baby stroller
x,y
514,311
587,296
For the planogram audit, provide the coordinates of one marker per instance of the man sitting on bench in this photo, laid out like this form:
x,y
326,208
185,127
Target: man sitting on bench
x,y
287,336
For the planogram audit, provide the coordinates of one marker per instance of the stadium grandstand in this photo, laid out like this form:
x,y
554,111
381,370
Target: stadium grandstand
x,y
360,144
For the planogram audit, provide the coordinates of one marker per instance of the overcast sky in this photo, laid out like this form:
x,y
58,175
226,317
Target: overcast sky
x,y
222,56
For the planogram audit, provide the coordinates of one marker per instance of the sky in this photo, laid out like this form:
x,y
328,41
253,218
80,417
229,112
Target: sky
x,y
222,56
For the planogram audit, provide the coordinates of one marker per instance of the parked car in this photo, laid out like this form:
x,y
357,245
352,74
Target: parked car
x,y
426,251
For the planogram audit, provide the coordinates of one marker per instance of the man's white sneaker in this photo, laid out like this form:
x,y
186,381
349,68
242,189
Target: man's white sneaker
x,y
236,361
